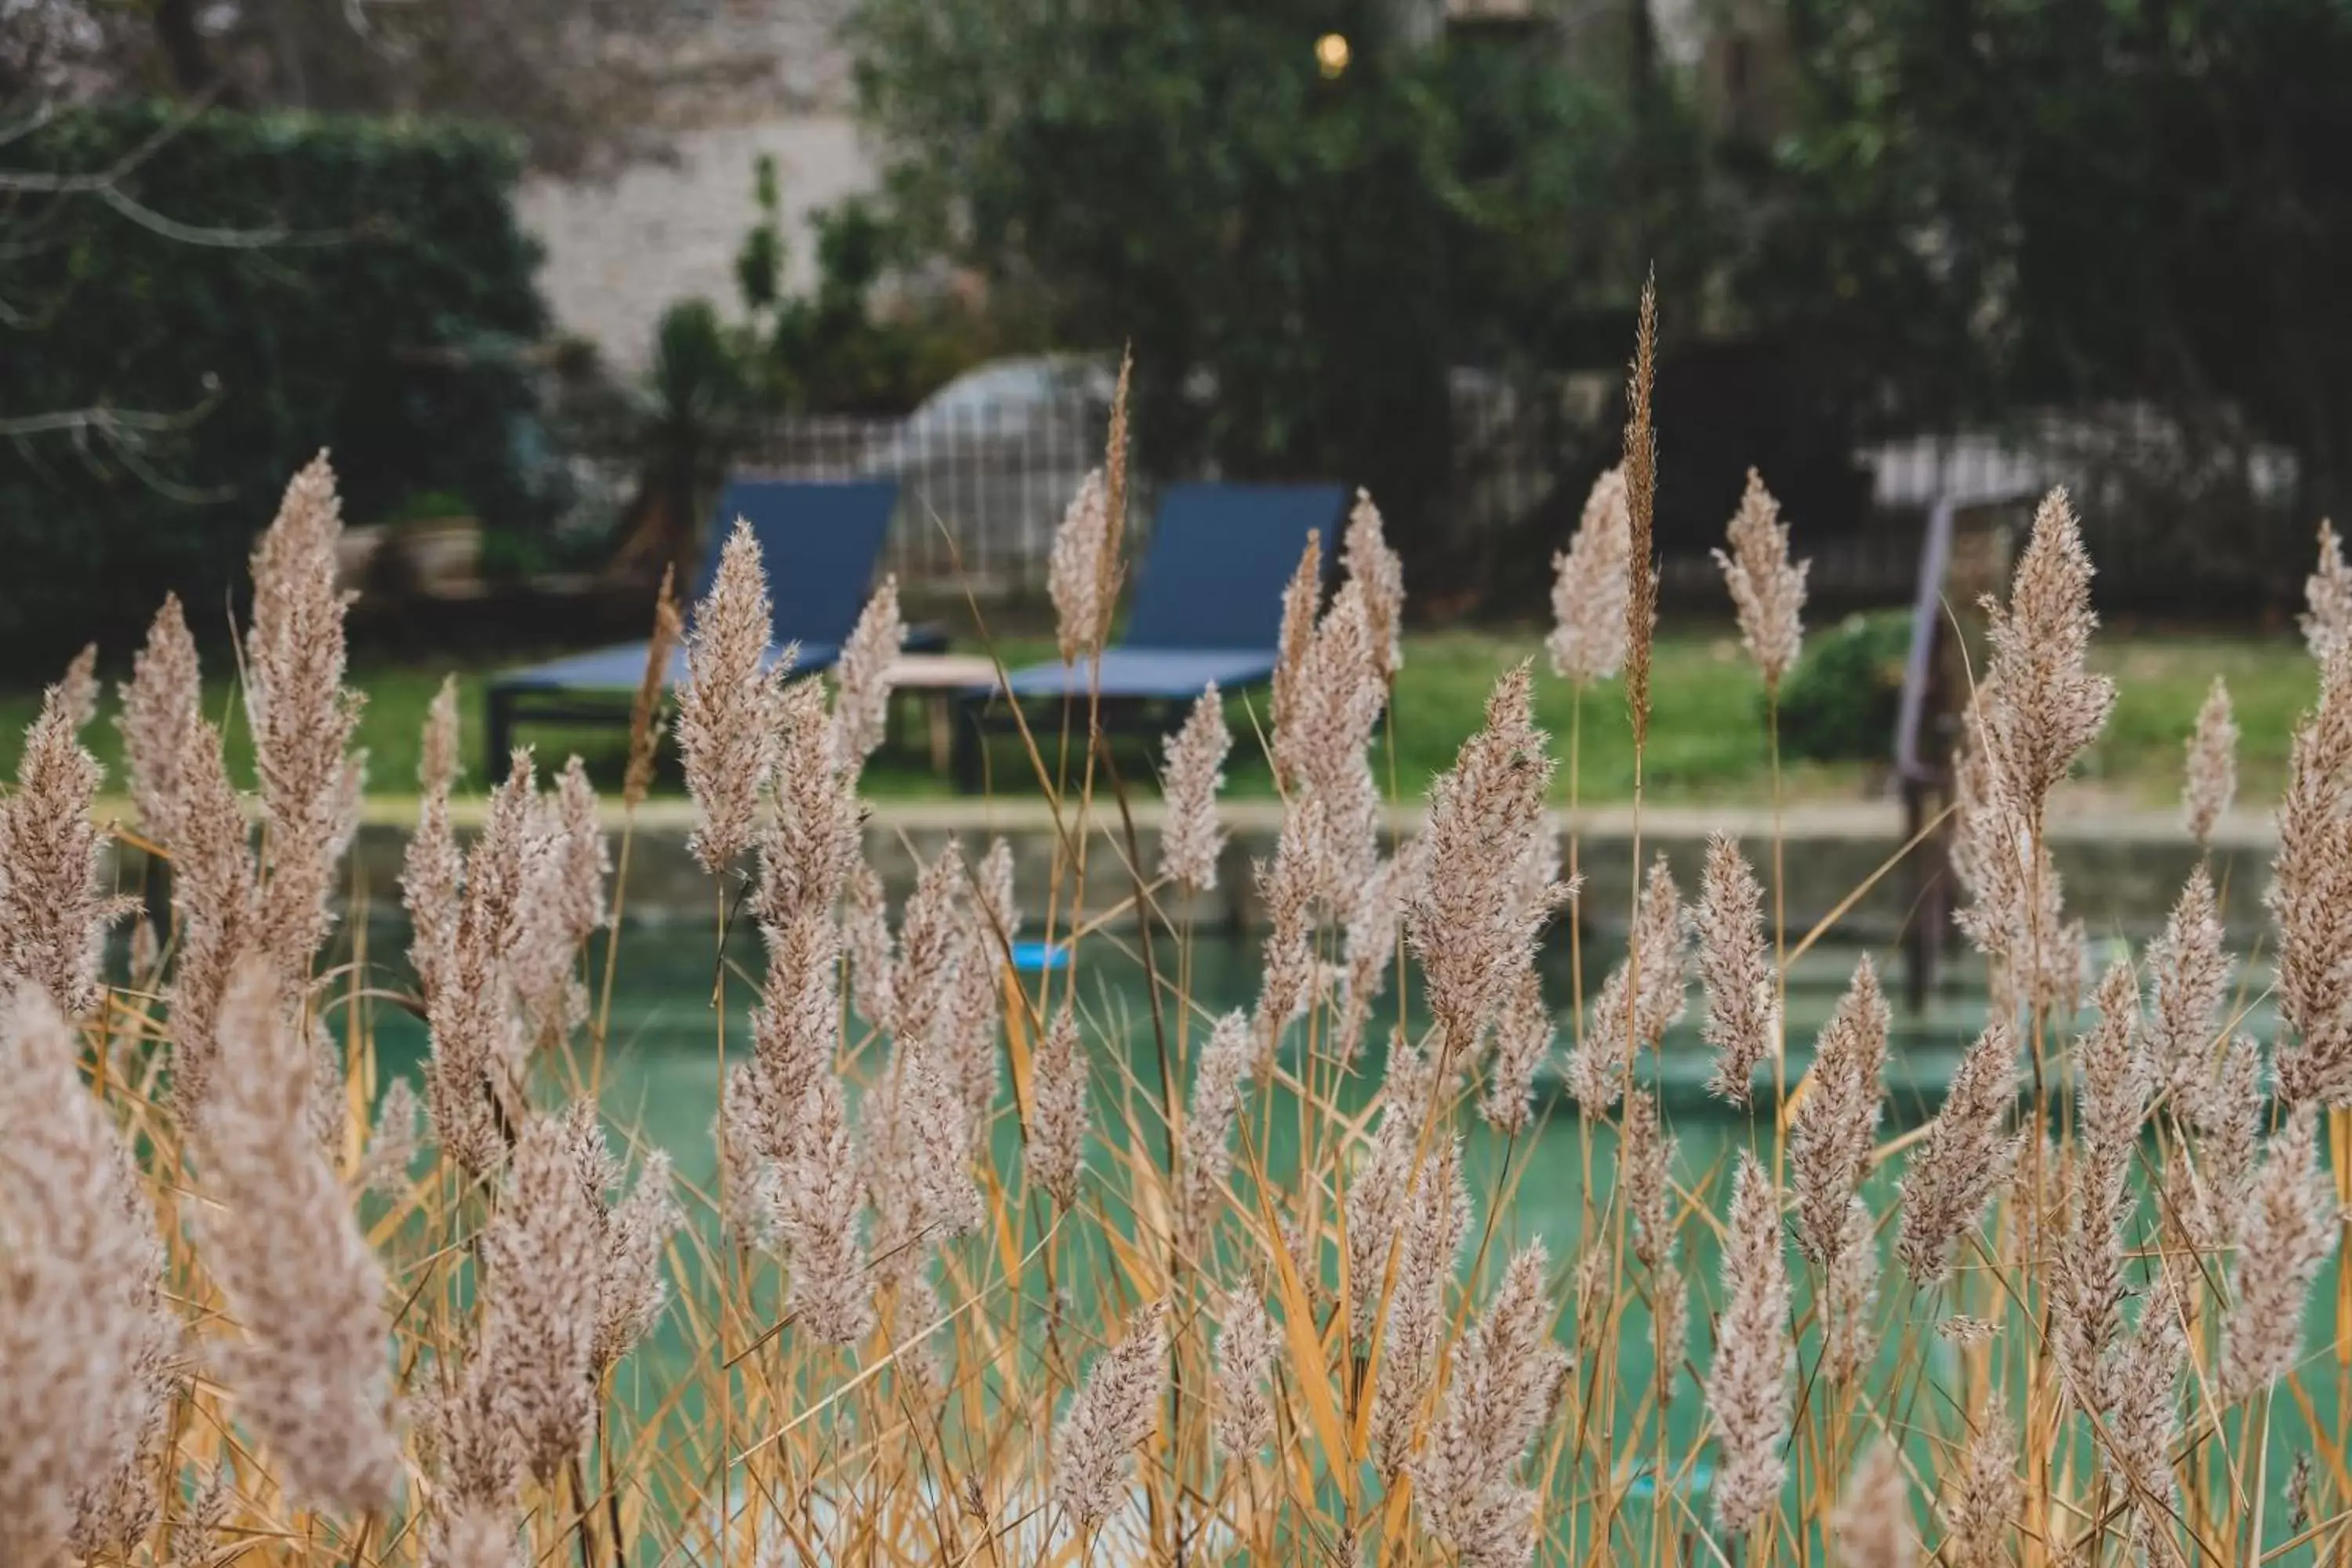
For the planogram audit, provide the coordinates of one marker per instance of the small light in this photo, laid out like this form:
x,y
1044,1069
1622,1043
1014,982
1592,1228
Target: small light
x,y
1331,54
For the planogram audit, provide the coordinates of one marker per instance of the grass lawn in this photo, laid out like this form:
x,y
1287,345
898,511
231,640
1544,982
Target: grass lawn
x,y
1706,740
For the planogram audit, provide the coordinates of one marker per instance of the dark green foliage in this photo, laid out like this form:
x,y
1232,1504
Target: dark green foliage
x,y
1840,703
383,315
1985,207
1296,259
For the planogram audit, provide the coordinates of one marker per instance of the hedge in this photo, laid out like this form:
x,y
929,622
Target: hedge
x,y
383,321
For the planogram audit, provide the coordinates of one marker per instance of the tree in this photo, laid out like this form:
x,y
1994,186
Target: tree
x,y
1987,202
1298,241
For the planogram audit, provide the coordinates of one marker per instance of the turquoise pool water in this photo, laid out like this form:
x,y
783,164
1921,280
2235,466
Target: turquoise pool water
x,y
659,1072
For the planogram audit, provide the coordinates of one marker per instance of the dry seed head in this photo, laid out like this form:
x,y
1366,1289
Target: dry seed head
x,y
1429,1247
1523,1037
1850,1298
1750,1387
1646,1169
77,687
2310,897
1834,1125
2327,592
1077,574
631,1291
2227,1112
1767,592
1054,1155
1871,1525
1964,1159
1114,1412
1210,1121
1591,586
213,894
1244,1424
645,707
1742,1018
308,1370
2045,708
1980,1504
1191,839
726,705
1640,506
394,1142
2212,771
161,703
1485,822
2192,981
301,716
2292,1219
861,704
53,915
818,1197
1379,573
85,1339
1504,1379
540,1325
1302,596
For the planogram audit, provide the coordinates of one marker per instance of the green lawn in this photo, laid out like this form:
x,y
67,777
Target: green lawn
x,y
1707,740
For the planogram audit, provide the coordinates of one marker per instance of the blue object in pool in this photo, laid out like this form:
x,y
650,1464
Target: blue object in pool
x,y
1038,957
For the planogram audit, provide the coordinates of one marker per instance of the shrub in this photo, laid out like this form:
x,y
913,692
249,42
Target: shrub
x,y
385,324
1841,701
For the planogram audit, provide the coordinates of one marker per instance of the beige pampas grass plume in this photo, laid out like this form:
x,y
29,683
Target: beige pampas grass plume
x,y
85,1338
2310,897
1750,1389
2192,982
1504,1376
1059,1100
1964,1159
645,707
726,708
1077,572
1591,583
301,716
305,1292
1734,969
1767,592
1302,596
53,915
1114,1412
540,1324
1831,1133
1244,1424
1378,572
1485,821
1980,1502
2045,707
1641,509
2292,1219
1210,1121
861,704
161,703
2328,595
1436,1224
77,687
2212,776
1871,1525
1191,839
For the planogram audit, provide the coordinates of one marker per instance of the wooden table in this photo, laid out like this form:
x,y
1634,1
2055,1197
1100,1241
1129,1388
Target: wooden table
x,y
939,680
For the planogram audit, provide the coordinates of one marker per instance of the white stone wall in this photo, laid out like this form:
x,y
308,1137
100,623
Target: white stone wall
x,y
619,250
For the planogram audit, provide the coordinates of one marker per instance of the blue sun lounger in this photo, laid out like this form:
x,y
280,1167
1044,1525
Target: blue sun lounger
x,y
820,541
1207,607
